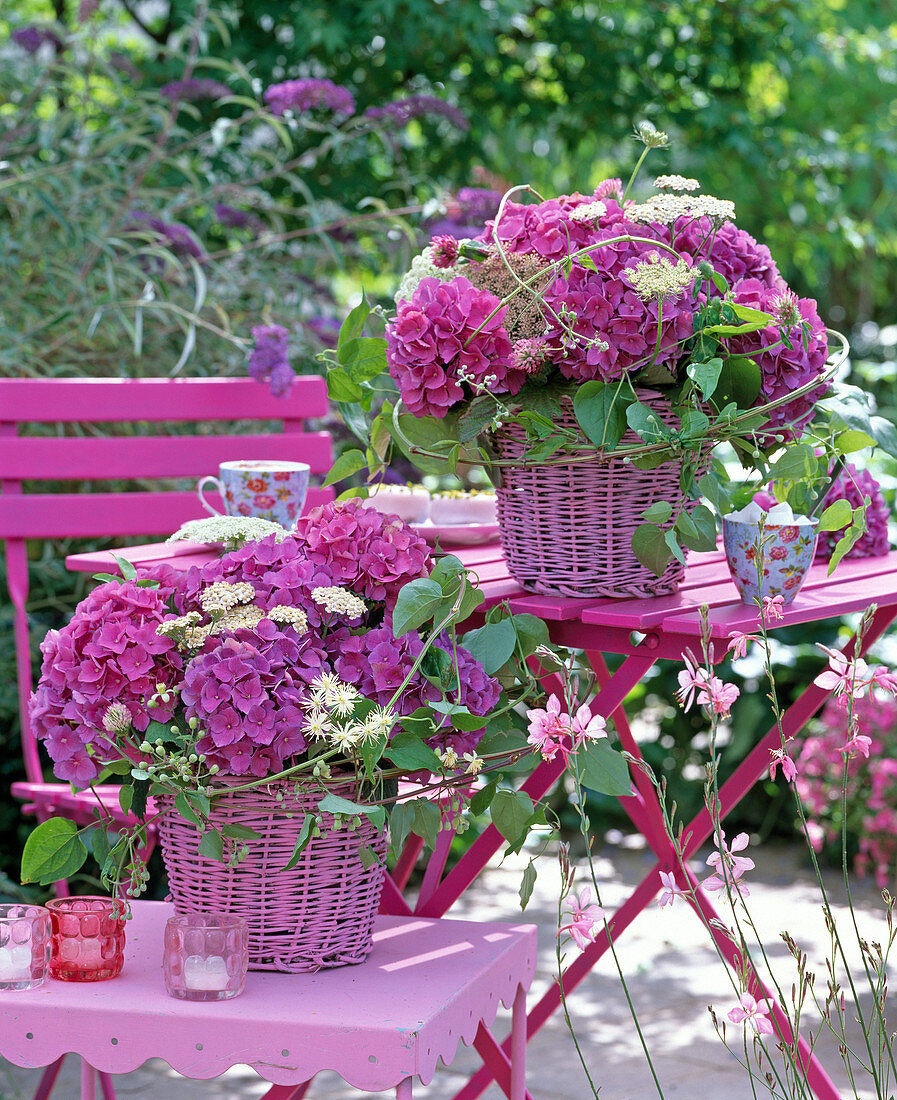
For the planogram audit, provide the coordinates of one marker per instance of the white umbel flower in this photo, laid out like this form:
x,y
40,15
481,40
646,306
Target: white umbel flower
x,y
589,211
676,183
339,601
658,277
233,531
422,267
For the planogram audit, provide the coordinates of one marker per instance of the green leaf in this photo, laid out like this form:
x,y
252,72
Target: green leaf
x,y
650,547
211,845
401,822
705,375
478,415
836,516
511,811
600,410
406,750
481,799
240,832
125,797
697,528
851,440
348,463
647,424
695,424
302,840
739,382
797,462
353,326
603,769
141,789
363,357
527,883
746,313
53,851
341,387
446,572
334,804
849,538
531,632
157,731
416,603
98,840
128,569
427,821
672,543
493,645
658,513
368,856
184,808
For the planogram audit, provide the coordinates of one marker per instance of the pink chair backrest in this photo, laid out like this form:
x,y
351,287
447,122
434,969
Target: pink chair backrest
x,y
43,515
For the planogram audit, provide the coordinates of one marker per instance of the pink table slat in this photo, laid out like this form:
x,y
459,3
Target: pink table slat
x,y
427,985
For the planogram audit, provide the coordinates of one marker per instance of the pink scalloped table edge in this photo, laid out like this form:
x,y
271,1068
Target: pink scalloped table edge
x,y
426,986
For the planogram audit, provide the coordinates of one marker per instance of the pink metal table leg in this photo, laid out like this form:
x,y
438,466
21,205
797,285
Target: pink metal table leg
x,y
88,1081
286,1092
106,1086
48,1079
518,1046
403,1090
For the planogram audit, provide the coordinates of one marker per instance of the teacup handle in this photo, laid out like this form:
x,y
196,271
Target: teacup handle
x,y
217,483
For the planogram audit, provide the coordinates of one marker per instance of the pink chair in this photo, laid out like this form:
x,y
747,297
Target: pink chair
x,y
211,403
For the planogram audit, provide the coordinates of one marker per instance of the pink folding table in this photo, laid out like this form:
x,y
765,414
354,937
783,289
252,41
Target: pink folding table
x,y
643,631
426,986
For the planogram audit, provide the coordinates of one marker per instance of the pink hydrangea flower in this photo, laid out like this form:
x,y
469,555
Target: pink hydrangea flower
x,y
443,336
367,551
108,653
855,486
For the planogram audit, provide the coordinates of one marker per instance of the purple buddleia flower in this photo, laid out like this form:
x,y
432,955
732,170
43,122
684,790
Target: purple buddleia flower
x,y
233,218
31,38
306,95
269,360
173,235
194,89
402,111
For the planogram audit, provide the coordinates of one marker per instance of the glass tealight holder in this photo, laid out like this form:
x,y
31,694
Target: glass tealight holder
x,y
24,946
88,939
206,955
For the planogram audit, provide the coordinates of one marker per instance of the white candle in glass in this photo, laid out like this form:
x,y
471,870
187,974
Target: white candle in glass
x,y
15,963
205,974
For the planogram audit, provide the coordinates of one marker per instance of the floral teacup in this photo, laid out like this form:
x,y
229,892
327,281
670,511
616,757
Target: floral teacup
x,y
266,489
783,551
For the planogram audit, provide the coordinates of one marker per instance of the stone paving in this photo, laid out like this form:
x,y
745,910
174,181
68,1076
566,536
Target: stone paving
x,y
673,975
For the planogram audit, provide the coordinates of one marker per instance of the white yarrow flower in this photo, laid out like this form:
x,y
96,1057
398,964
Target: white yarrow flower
x,y
676,183
658,277
234,531
339,601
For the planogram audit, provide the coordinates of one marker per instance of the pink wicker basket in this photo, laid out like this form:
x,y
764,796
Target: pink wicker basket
x,y
567,529
319,914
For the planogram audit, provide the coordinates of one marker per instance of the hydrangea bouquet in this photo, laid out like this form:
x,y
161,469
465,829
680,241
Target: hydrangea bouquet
x,y
325,655
659,324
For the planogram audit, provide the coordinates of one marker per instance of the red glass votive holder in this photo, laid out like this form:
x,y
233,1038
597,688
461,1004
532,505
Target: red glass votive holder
x,y
24,946
206,956
88,939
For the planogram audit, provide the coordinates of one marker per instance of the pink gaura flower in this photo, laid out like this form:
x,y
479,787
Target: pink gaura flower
x,y
728,867
550,730
754,1012
584,917
858,744
738,643
789,768
671,889
883,678
692,679
844,674
587,726
773,607
718,696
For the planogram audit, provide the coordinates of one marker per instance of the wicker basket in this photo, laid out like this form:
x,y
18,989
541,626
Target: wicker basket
x,y
319,914
567,529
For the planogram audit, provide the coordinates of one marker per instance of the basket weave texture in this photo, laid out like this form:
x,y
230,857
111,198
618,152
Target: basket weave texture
x,y
567,529
317,915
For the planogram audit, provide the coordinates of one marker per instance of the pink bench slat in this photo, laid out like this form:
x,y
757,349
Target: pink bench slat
x,y
203,399
107,515
139,456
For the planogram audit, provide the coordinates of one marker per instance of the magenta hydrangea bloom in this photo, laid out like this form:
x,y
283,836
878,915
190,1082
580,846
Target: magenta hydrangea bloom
x,y
307,95
443,334
108,653
281,573
784,369
377,663
732,251
367,551
608,310
247,693
854,486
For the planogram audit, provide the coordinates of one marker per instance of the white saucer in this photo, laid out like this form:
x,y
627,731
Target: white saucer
x,y
456,534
